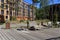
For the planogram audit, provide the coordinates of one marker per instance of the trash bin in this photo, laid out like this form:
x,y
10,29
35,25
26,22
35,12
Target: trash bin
x,y
32,28
7,25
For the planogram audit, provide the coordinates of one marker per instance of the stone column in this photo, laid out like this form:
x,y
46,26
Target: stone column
x,y
7,25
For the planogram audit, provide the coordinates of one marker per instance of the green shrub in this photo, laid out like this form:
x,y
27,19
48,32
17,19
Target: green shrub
x,y
13,18
1,23
21,20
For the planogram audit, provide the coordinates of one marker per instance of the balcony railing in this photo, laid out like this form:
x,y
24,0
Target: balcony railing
x,y
11,1
2,1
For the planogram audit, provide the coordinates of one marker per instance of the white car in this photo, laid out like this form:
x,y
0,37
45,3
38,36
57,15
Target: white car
x,y
57,22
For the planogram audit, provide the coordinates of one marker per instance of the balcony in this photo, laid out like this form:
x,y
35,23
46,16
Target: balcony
x,y
2,6
11,1
2,1
12,7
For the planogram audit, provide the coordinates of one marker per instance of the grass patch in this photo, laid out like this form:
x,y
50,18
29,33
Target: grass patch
x,y
44,20
1,23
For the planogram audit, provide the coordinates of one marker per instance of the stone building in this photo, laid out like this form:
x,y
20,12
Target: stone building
x,y
15,8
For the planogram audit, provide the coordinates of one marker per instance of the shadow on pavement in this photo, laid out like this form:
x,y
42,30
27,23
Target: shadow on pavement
x,y
56,38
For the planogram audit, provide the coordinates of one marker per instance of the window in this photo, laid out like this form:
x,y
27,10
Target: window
x,y
7,1
2,5
17,13
13,13
6,17
20,0
6,6
2,1
13,0
2,12
7,12
10,13
23,13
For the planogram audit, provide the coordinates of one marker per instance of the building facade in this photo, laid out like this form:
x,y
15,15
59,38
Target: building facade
x,y
26,12
15,8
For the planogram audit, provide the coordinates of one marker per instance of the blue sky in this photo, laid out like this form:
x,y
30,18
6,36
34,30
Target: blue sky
x,y
30,2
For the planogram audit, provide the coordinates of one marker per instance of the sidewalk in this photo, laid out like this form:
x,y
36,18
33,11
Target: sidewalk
x,y
43,34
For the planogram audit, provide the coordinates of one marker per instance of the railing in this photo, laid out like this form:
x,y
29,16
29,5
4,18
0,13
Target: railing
x,y
11,1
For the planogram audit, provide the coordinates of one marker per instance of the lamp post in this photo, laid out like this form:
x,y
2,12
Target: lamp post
x,y
28,16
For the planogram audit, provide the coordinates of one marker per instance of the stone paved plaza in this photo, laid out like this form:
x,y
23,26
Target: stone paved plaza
x,y
42,34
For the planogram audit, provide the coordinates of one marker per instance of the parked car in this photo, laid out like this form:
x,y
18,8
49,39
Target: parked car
x,y
50,24
32,28
58,24
20,29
